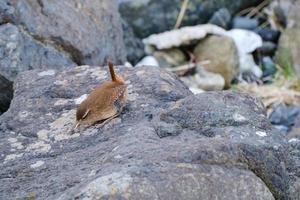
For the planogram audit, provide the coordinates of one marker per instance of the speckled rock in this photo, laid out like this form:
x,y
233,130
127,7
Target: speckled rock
x,y
167,143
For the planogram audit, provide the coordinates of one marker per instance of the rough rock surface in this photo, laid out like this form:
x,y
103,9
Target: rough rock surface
x,y
155,16
20,52
167,144
88,30
224,61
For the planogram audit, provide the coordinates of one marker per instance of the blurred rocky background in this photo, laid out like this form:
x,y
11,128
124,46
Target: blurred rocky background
x,y
213,99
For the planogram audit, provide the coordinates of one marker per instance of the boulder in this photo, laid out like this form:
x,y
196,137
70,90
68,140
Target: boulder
x,y
154,16
57,34
224,61
167,143
20,52
221,18
90,31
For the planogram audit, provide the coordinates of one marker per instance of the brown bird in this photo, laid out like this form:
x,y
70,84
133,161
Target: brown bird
x,y
104,103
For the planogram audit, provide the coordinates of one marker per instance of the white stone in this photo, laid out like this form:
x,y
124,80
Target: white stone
x,y
148,61
179,37
247,64
246,41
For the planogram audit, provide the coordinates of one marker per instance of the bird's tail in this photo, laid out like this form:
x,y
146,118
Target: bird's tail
x,y
112,71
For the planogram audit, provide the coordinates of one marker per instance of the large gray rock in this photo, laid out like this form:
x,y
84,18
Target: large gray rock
x,y
155,16
20,52
167,143
57,34
90,31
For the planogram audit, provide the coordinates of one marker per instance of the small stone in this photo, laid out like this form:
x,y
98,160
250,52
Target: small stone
x,y
221,18
267,49
148,61
248,65
244,23
246,41
284,115
268,34
268,66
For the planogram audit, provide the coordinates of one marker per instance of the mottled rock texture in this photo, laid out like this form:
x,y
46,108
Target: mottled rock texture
x,y
167,143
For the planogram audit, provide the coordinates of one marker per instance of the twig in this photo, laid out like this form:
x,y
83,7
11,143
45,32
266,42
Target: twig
x,y
183,69
256,9
181,14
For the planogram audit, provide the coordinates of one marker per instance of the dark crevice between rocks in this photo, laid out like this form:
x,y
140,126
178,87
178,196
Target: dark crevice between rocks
x,y
6,94
6,21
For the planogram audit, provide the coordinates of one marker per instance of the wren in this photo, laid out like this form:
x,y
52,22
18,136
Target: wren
x,y
104,103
